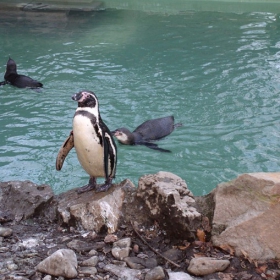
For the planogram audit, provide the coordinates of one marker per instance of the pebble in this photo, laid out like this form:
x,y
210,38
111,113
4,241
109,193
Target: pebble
x,y
121,248
87,271
5,232
110,238
140,263
92,253
205,265
180,276
173,254
156,273
123,272
79,246
91,261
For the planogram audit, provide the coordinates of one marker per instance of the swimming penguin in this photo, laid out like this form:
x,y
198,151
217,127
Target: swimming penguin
x,y
146,132
95,146
21,81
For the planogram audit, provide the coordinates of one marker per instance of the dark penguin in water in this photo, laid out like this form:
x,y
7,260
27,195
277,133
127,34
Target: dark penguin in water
x,y
21,81
146,132
93,141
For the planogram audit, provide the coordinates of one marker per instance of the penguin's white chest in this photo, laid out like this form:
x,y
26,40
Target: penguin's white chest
x,y
89,151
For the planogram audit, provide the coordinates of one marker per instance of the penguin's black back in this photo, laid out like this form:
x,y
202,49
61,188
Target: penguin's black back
x,y
20,81
154,129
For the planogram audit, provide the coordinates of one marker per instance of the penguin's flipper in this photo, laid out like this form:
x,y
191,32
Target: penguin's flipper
x,y
64,150
153,146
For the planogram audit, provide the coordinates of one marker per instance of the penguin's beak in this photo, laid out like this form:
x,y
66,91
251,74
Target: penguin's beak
x,y
77,96
113,132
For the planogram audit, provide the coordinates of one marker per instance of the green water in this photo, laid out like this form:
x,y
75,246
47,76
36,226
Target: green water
x,y
218,73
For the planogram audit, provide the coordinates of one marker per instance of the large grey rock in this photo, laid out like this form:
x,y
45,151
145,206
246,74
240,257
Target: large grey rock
x,y
23,199
171,203
63,262
94,211
247,215
204,266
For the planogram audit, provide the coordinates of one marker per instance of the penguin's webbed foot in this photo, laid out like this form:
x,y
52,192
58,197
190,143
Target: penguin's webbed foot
x,y
90,186
105,187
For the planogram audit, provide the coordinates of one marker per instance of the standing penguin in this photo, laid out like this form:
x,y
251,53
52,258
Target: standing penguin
x,y
21,81
95,147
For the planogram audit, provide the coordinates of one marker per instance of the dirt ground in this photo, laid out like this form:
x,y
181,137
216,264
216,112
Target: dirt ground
x,y
150,241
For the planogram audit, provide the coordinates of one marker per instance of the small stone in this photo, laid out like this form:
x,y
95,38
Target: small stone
x,y
110,238
47,277
179,276
136,248
88,271
91,261
204,265
79,246
29,242
156,273
142,256
92,253
139,263
5,232
4,249
123,272
134,262
11,266
173,254
121,248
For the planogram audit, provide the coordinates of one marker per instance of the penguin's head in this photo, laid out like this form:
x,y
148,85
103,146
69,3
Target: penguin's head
x,y
124,136
86,99
11,66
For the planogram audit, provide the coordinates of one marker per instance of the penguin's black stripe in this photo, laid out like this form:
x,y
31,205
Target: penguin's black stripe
x,y
93,121
96,128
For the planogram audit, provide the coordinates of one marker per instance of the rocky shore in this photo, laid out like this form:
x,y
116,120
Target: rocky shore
x,y
158,230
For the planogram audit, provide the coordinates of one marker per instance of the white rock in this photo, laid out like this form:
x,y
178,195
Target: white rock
x,y
121,248
180,276
30,242
61,263
4,232
204,266
123,272
47,277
